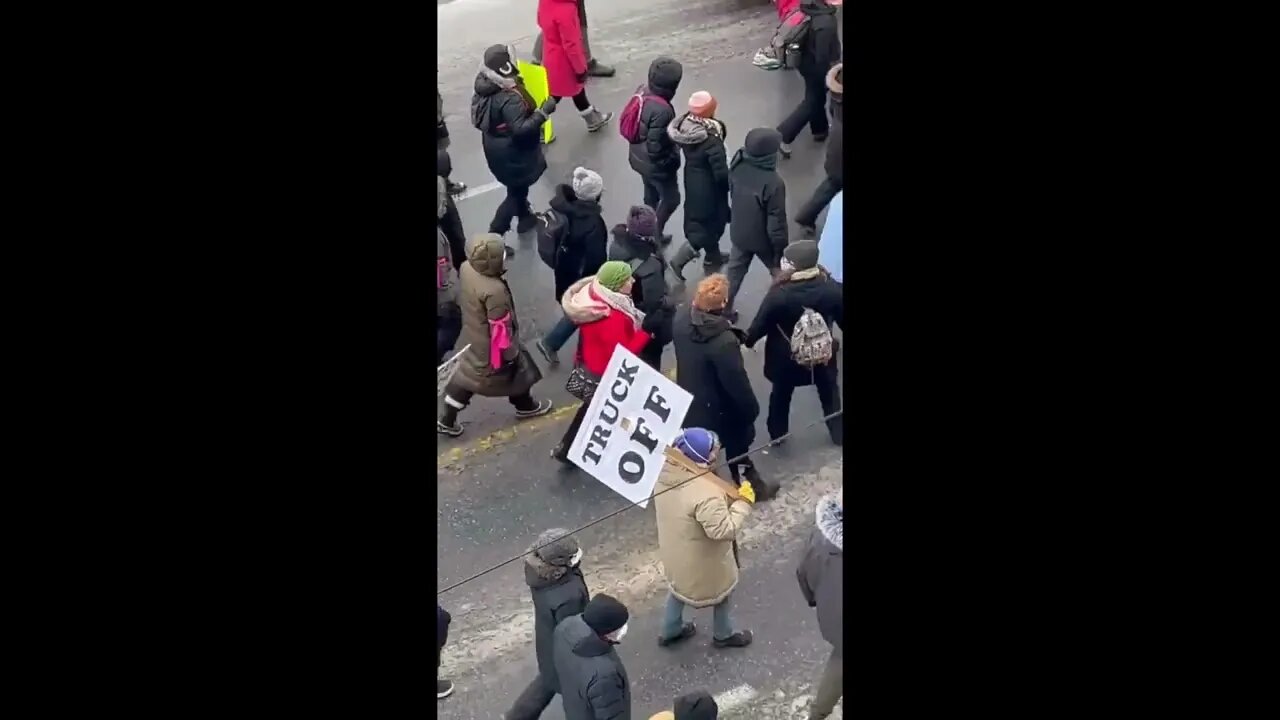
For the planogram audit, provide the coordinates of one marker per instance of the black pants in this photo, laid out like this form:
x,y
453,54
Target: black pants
x,y
652,355
827,383
532,701
580,100
822,196
811,111
524,402
740,263
705,236
514,205
448,328
663,195
562,450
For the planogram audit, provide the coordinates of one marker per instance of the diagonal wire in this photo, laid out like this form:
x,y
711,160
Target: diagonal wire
x,y
627,507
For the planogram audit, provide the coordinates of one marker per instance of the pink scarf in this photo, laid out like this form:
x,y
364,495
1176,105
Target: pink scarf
x,y
499,339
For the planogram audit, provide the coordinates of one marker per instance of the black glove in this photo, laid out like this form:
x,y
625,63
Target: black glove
x,y
548,106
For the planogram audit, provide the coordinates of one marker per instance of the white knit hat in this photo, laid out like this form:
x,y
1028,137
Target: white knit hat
x,y
587,184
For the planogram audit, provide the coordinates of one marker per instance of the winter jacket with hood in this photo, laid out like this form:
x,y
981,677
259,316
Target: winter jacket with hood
x,y
563,54
709,365
600,329
821,571
446,270
486,303
697,524
758,196
593,683
586,242
511,129
558,593
656,155
648,269
781,308
835,142
821,47
706,168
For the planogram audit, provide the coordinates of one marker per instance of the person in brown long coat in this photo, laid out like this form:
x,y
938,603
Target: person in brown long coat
x,y
495,365
697,526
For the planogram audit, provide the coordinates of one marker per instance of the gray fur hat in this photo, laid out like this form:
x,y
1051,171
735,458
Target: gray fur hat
x,y
559,550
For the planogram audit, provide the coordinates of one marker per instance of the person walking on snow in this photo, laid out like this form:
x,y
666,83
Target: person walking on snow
x,y
511,127
655,157
819,51
565,59
758,228
554,576
833,183
821,576
584,248
495,365
706,184
594,68
636,244
709,365
593,682
606,317
801,285
697,527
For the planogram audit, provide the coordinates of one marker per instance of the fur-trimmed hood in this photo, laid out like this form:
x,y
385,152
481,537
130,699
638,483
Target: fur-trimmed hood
x,y
835,79
830,520
689,129
540,573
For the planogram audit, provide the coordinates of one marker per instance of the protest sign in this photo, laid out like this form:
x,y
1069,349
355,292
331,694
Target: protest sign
x,y
535,81
635,413
445,372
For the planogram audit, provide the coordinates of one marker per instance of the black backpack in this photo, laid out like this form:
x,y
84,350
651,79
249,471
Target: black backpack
x,y
552,230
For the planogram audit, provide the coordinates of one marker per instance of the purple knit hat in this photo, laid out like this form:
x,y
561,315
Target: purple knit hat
x,y
642,221
697,444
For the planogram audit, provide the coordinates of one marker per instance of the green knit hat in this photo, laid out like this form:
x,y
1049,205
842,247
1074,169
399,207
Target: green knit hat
x,y
613,274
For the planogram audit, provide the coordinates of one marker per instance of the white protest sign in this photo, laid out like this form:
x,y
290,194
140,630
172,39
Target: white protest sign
x,y
635,413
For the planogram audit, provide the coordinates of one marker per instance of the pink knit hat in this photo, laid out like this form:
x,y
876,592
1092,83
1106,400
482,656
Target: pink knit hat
x,y
702,104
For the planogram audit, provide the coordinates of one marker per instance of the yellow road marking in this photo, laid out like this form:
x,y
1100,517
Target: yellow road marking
x,y
502,436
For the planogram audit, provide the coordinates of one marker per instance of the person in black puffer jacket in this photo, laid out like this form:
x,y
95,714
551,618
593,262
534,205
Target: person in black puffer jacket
x,y
833,183
559,591
585,248
656,157
802,284
636,244
709,365
593,681
819,51
706,184
511,124
759,197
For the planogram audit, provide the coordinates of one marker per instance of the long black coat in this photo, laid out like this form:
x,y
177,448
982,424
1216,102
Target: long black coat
x,y
593,683
821,47
557,594
782,307
586,245
649,293
709,365
706,172
443,618
656,155
759,198
511,129
821,571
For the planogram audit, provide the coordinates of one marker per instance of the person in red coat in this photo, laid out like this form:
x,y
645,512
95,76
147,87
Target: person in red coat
x,y
565,58
601,307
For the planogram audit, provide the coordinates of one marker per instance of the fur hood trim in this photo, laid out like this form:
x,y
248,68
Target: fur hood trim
x,y
830,520
834,76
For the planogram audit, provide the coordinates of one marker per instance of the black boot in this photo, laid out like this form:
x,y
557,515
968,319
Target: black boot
x,y
683,256
597,69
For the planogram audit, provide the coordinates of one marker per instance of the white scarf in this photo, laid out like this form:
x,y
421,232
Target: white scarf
x,y
614,300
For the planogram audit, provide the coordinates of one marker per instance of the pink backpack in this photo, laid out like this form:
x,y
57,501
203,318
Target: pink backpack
x,y
629,126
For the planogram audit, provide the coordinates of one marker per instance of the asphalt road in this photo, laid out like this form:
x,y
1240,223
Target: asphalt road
x,y
497,487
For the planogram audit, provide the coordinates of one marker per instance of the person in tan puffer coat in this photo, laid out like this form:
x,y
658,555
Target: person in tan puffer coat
x,y
697,526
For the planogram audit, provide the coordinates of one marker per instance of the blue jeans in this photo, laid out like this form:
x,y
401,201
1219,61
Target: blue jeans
x,y
560,334
673,620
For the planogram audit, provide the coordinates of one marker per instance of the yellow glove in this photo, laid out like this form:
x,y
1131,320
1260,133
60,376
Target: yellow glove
x,y
747,492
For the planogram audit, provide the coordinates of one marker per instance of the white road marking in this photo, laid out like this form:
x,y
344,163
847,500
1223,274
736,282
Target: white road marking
x,y
474,191
730,700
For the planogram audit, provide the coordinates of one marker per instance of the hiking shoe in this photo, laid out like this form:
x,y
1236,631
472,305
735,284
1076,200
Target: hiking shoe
x,y
686,632
595,119
543,408
526,224
742,638
547,353
595,69
785,149
451,430
444,688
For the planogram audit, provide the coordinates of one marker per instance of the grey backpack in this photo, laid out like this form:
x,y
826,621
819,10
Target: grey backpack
x,y
811,340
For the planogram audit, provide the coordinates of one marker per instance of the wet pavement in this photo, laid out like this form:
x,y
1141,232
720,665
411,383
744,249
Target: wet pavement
x,y
498,487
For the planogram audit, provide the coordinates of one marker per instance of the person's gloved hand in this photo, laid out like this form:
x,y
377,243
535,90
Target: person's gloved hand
x,y
548,106
746,492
